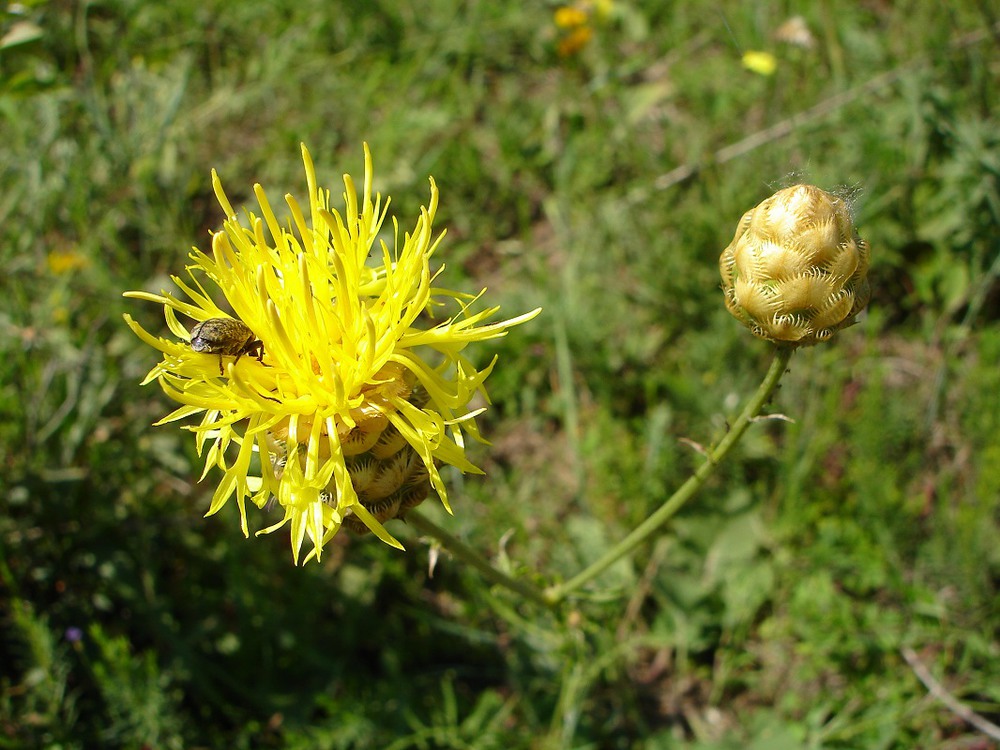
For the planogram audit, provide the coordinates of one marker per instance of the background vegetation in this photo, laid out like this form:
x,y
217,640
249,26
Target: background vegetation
x,y
601,184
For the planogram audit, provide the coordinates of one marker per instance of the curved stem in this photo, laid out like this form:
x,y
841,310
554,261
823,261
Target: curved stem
x,y
467,554
553,595
685,491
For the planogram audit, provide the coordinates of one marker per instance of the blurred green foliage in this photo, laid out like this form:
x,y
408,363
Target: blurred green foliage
x,y
770,614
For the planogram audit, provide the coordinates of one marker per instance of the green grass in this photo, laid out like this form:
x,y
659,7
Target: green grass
x,y
771,613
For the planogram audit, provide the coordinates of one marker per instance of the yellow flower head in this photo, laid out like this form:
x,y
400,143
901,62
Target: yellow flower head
x,y
315,384
569,17
574,41
796,272
762,63
576,24
63,261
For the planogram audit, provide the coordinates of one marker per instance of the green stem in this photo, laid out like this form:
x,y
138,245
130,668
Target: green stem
x,y
464,552
552,596
687,490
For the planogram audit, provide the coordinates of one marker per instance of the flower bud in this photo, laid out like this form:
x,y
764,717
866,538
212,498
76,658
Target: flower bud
x,y
796,271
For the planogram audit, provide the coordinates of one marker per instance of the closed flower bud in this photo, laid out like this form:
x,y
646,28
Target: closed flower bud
x,y
796,271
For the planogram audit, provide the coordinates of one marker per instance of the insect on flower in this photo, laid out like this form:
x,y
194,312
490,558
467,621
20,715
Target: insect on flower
x,y
224,336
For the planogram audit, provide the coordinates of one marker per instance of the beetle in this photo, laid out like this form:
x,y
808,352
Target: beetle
x,y
226,336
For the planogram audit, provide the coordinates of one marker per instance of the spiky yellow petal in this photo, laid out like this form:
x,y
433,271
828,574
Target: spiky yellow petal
x,y
340,408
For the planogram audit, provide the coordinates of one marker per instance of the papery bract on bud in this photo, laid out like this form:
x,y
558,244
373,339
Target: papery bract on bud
x,y
796,272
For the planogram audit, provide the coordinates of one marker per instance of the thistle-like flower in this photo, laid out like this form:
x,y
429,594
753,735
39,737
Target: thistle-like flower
x,y
328,389
796,271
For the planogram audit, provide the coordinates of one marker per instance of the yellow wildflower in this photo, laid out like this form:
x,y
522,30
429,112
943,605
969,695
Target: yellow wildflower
x,y
331,400
569,17
574,41
63,261
576,24
762,63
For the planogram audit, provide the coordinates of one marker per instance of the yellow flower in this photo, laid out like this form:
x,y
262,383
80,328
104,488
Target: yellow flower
x,y
61,262
319,390
569,17
576,24
796,272
762,63
574,41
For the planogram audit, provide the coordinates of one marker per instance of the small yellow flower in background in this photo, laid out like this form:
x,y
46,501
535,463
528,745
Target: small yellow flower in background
x,y
575,23
321,390
574,41
61,262
762,63
568,17
796,272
